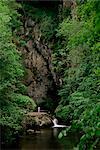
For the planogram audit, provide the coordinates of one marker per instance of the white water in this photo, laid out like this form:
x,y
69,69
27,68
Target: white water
x,y
56,125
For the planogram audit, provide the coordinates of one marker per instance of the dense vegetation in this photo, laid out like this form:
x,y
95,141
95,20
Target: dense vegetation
x,y
13,102
76,61
73,35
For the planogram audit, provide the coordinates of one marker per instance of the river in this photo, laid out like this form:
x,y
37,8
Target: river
x,y
46,139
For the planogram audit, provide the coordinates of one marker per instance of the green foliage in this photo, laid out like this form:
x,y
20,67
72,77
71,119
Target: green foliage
x,y
45,18
12,106
24,102
63,112
11,116
76,62
9,72
10,121
48,27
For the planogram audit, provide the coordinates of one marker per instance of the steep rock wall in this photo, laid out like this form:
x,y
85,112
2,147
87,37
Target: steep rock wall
x,y
39,79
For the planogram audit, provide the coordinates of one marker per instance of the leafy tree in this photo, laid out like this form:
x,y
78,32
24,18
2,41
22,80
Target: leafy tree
x,y
12,103
80,90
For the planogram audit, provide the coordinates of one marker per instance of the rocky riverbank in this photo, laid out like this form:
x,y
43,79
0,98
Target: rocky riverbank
x,y
34,121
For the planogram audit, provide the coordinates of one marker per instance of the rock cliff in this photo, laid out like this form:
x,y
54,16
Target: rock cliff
x,y
36,50
39,79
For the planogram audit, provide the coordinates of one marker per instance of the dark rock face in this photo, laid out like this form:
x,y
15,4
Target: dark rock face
x,y
37,60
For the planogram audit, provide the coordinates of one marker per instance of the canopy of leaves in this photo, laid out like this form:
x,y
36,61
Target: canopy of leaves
x,y
77,63
12,103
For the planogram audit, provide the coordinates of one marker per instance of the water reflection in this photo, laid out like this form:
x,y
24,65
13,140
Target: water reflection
x,y
46,140
55,132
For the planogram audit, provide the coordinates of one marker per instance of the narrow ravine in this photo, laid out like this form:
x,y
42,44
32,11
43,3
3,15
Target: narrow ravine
x,y
49,75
